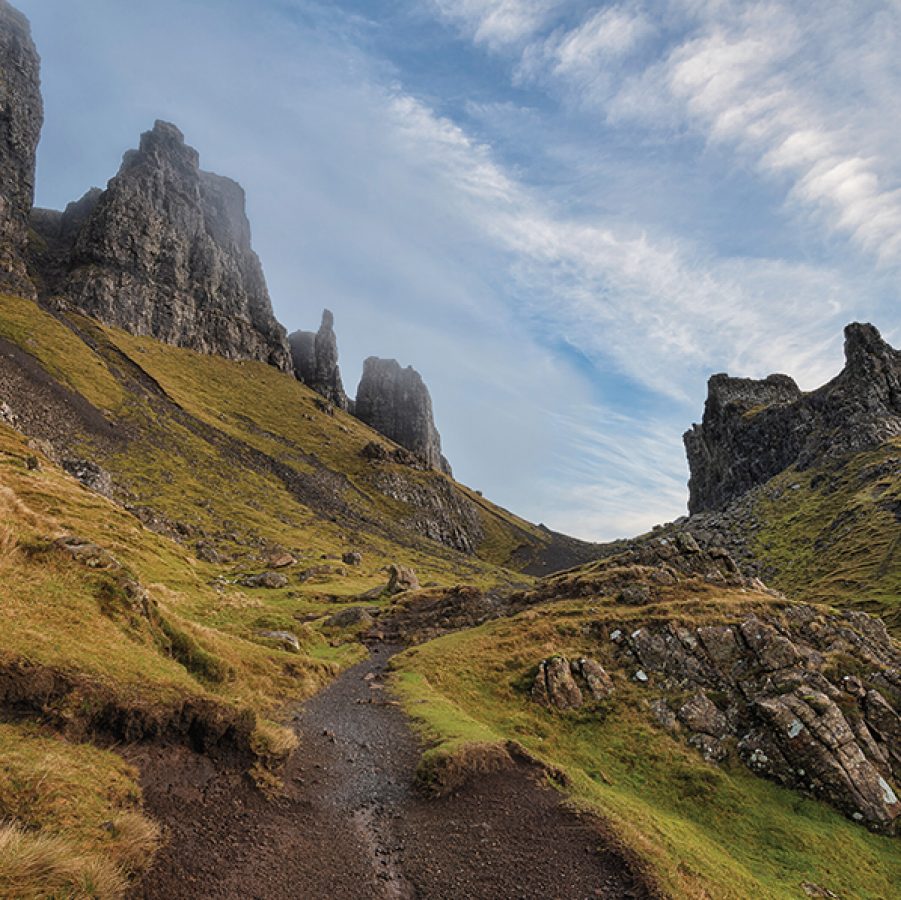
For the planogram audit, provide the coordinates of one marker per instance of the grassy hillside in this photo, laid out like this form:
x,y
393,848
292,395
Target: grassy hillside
x,y
141,627
708,831
834,534
243,456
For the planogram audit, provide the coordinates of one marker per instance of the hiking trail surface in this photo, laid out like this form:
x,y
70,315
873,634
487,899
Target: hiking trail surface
x,y
351,824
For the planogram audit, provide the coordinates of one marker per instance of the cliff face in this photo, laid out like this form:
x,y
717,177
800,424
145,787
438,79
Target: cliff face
x,y
396,403
165,251
315,359
21,118
752,430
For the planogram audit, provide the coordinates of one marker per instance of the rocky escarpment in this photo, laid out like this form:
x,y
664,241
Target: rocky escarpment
x,y
315,358
752,430
396,403
21,118
164,251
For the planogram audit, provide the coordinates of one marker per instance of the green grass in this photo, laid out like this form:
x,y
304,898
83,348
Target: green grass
x,y
833,538
705,831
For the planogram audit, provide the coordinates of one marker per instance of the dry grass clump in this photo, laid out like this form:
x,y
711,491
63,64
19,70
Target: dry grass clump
x,y
37,865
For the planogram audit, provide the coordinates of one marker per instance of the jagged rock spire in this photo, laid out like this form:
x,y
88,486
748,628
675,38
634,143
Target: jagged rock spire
x,y
165,251
315,358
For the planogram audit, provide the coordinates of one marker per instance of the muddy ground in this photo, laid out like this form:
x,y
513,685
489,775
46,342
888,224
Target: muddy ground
x,y
352,825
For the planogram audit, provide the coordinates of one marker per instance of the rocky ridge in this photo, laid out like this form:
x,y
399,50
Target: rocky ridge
x,y
164,251
753,430
21,118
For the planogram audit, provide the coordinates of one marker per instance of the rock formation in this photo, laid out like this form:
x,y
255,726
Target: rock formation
x,y
396,403
21,118
165,251
315,359
752,430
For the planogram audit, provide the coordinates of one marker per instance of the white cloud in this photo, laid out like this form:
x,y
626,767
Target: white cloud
x,y
498,23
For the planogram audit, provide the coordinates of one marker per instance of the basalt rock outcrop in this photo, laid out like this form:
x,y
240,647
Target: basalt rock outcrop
x,y
396,403
808,698
21,118
164,251
752,430
315,358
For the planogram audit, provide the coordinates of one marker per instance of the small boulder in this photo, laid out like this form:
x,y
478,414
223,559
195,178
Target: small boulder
x,y
271,580
282,560
401,578
287,639
634,595
701,716
555,686
600,684
352,558
350,617
207,552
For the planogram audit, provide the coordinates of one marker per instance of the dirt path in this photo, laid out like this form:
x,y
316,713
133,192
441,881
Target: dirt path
x,y
351,826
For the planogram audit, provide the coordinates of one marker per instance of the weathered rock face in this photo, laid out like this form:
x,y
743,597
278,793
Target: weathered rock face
x,y
787,702
752,430
165,251
315,359
438,509
396,403
21,118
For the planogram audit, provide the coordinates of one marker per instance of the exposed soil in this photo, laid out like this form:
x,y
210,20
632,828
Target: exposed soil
x,y
351,824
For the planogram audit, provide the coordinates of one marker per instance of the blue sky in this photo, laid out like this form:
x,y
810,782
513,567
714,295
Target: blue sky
x,y
565,214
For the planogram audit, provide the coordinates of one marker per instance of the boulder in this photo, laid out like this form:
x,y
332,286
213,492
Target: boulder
x,y
554,685
401,578
350,617
269,579
86,552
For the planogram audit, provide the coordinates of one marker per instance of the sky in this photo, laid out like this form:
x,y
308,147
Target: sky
x,y
565,214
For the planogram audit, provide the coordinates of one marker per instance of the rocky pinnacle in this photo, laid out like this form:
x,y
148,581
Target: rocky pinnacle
x,y
315,358
396,402
752,430
21,118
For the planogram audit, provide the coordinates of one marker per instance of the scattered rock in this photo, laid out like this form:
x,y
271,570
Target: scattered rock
x,y
90,475
87,553
281,560
206,552
352,558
